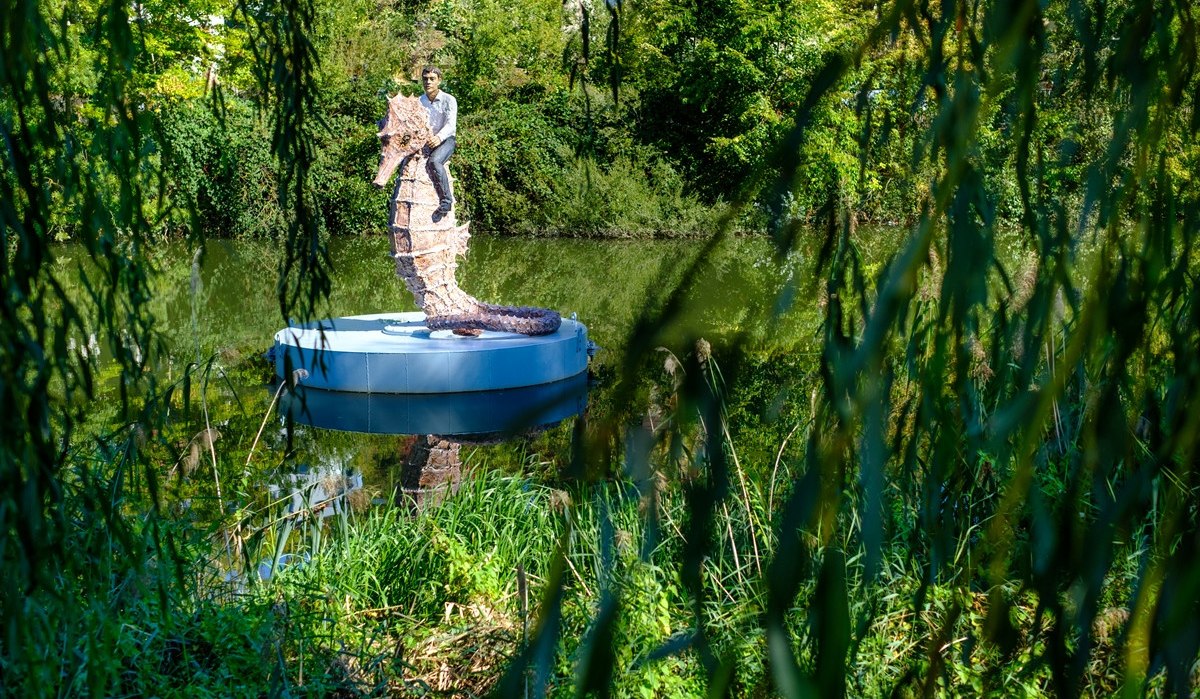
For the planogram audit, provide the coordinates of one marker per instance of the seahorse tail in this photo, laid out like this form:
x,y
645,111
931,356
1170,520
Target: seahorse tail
x,y
526,320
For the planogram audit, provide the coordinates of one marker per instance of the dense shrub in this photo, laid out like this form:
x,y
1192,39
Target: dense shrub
x,y
624,199
558,166
341,179
223,165
508,158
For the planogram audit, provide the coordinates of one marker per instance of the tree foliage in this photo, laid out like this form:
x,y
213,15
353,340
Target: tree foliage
x,y
1011,432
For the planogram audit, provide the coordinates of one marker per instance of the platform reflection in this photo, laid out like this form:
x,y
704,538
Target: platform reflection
x,y
507,411
432,428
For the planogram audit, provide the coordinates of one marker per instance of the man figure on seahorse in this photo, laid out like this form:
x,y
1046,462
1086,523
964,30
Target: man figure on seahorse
x,y
443,119
426,240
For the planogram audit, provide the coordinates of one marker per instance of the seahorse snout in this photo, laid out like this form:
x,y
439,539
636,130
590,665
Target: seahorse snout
x,y
388,162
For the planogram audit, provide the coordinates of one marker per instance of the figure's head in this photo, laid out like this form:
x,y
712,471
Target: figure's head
x,y
431,80
403,130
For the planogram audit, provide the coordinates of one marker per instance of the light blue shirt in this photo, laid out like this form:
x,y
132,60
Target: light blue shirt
x,y
443,114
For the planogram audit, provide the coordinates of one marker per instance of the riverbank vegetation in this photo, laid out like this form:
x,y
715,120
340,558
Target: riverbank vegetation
x,y
673,113
979,478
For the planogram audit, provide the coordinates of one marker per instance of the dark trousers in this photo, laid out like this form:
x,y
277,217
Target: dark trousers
x,y
441,178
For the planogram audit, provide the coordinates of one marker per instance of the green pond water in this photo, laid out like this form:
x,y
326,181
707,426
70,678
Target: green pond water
x,y
218,311
607,284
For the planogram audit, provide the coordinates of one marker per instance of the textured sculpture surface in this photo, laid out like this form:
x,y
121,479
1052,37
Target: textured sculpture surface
x,y
432,470
426,243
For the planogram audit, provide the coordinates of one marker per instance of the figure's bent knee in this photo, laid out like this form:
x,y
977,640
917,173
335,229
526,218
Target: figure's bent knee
x,y
443,152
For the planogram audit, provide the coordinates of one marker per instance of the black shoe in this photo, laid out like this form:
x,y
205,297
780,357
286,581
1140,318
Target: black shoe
x,y
444,208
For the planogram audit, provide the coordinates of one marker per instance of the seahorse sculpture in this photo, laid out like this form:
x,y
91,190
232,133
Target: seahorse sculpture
x,y
426,244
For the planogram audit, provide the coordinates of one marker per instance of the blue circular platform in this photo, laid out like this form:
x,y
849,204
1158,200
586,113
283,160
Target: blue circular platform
x,y
398,353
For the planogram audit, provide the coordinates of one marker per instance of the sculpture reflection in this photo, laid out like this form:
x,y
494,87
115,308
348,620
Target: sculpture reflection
x,y
432,470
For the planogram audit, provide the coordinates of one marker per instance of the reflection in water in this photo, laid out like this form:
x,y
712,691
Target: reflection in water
x,y
483,412
306,498
430,464
432,470
322,492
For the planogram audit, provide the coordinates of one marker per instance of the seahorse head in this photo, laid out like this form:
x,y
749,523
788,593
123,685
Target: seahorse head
x,y
403,130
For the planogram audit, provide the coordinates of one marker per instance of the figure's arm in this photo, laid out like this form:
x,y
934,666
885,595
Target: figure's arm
x,y
451,126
